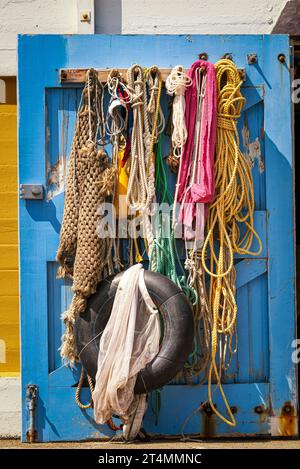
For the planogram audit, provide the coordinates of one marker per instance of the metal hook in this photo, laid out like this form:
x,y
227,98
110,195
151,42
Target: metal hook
x,y
227,56
203,56
252,58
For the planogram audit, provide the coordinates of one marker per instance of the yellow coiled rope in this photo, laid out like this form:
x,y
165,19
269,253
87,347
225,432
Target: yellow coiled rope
x,y
232,208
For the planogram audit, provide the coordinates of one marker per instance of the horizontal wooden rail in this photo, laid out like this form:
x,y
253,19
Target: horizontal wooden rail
x,y
77,75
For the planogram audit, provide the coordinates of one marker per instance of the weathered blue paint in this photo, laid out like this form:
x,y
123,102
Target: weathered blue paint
x,y
262,373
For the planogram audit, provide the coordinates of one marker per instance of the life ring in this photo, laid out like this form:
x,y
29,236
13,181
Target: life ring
x,y
177,338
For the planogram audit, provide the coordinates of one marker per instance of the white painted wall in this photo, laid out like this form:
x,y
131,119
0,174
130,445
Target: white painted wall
x,y
32,16
10,407
130,17
200,16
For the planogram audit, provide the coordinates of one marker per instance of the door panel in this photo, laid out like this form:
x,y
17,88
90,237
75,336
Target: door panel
x,y
261,373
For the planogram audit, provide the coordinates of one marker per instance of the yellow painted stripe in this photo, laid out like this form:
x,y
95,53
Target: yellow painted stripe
x,y
9,310
8,127
8,205
10,350
8,231
9,278
8,108
8,257
12,365
10,335
8,152
8,179
9,282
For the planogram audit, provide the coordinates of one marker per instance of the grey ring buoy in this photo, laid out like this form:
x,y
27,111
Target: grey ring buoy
x,y
178,329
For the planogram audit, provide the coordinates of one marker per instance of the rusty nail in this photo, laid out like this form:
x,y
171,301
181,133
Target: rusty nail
x,y
242,74
287,409
281,58
258,409
234,409
252,58
203,56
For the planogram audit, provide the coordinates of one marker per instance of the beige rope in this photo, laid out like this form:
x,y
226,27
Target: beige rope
x,y
138,192
78,390
91,178
202,315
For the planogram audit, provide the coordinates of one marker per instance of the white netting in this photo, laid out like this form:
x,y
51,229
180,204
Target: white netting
x,y
129,341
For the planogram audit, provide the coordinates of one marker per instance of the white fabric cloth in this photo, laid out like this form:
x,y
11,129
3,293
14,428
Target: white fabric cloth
x,y
129,341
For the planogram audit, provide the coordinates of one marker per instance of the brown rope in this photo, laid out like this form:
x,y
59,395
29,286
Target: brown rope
x,y
78,390
91,178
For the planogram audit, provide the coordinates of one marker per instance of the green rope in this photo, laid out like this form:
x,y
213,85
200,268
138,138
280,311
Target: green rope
x,y
161,184
164,249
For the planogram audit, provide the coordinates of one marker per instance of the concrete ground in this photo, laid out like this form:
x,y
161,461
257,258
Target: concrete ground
x,y
162,444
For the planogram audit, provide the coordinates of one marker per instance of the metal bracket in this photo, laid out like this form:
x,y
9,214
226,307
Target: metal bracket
x,y
31,191
31,398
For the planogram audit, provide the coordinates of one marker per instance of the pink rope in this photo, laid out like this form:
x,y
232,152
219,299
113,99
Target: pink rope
x,y
200,190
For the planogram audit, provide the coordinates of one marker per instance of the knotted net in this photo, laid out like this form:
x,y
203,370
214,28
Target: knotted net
x,y
82,254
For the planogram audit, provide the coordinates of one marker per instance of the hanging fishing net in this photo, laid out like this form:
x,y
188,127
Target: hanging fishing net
x,y
129,342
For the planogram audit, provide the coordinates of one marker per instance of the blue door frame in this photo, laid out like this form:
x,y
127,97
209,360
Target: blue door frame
x,y
262,386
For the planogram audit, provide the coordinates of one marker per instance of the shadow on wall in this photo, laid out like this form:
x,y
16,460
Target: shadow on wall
x,y
108,16
288,21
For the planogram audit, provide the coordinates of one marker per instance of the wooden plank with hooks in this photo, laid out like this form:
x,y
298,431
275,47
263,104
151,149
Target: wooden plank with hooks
x,y
77,75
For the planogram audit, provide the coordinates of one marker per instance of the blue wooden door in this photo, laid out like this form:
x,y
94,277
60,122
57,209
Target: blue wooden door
x,y
261,385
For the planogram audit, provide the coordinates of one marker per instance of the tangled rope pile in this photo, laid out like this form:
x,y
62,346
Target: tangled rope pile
x,y
232,209
82,255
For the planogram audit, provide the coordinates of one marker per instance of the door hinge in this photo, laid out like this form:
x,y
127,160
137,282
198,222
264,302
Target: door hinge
x,y
31,191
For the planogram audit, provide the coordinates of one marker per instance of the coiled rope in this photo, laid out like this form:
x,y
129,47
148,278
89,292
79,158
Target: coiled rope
x,y
141,187
176,84
139,192
233,205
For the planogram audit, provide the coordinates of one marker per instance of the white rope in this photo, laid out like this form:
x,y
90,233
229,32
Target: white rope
x,y
115,123
114,80
195,164
116,127
176,84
